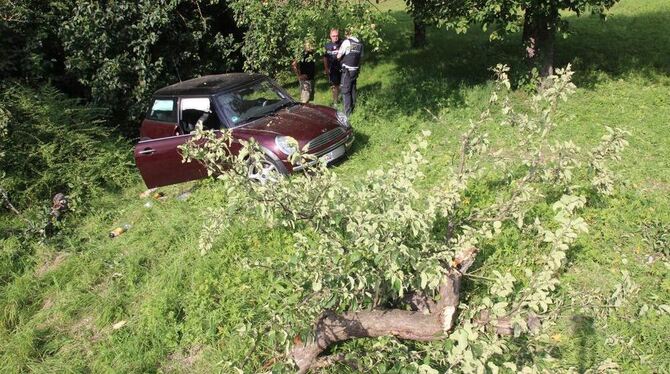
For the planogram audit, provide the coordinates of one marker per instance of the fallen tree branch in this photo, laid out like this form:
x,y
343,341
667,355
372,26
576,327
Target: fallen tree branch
x,y
333,359
504,326
417,325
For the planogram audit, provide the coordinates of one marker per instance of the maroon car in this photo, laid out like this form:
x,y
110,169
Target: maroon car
x,y
251,106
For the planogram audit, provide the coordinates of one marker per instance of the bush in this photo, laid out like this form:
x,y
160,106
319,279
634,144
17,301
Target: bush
x,y
168,42
51,143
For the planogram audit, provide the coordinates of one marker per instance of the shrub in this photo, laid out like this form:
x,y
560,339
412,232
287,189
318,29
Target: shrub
x,y
168,42
52,143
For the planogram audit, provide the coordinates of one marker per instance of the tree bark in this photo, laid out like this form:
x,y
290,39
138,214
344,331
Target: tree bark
x,y
539,37
419,37
429,324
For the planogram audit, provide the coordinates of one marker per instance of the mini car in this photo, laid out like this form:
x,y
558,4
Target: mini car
x,y
250,106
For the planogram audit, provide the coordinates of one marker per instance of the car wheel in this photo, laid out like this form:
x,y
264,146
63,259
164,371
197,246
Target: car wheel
x,y
264,171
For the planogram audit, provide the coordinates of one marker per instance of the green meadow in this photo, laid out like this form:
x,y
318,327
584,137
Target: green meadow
x,y
148,301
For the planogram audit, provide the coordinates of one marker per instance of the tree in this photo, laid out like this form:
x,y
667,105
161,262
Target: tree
x,y
117,53
542,21
539,21
420,11
29,47
123,51
275,31
380,258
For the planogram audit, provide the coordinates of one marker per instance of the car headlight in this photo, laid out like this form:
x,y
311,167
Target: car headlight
x,y
342,118
286,144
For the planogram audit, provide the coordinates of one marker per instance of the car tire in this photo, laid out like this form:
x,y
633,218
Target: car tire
x,y
265,171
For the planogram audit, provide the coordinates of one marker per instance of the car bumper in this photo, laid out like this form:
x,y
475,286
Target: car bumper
x,y
332,153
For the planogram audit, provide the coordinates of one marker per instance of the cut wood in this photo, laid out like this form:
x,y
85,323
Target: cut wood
x,y
433,322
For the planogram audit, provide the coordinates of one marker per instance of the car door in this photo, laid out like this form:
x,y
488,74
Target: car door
x,y
160,160
161,119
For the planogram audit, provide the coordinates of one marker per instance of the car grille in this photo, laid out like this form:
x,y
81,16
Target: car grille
x,y
325,138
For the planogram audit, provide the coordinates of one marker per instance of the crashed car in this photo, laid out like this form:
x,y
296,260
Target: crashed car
x,y
250,106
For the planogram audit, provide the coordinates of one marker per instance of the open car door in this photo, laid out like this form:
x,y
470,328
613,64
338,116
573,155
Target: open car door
x,y
160,161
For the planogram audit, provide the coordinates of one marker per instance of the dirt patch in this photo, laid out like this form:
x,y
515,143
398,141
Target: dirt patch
x,y
650,185
181,361
47,303
84,329
81,327
51,264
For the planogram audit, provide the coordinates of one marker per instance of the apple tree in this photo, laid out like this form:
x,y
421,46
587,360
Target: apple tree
x,y
381,257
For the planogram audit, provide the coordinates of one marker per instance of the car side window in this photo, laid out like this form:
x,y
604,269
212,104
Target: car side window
x,y
163,110
198,110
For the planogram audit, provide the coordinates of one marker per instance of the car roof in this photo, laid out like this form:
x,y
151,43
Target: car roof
x,y
208,84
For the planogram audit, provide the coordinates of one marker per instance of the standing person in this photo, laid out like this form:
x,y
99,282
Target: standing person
x,y
331,65
305,70
350,54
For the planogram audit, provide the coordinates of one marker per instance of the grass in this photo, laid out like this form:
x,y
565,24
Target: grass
x,y
60,300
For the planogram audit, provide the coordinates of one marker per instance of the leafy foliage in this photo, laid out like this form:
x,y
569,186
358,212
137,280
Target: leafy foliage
x,y
53,144
370,245
275,31
29,48
501,15
116,53
540,21
166,42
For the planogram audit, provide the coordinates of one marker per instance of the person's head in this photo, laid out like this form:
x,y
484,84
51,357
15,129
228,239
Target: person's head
x,y
349,32
309,46
334,35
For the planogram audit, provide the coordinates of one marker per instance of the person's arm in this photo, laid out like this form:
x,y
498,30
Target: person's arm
x,y
343,49
296,69
326,68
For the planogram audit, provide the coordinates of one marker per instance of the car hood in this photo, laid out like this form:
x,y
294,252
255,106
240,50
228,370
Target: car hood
x,y
302,122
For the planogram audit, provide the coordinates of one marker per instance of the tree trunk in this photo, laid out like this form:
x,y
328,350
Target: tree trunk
x,y
419,37
432,323
539,36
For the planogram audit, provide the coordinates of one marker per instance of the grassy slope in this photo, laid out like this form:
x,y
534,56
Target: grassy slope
x,y
185,311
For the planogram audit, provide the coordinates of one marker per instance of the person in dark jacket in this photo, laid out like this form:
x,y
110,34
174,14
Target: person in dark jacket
x,y
349,55
305,70
331,65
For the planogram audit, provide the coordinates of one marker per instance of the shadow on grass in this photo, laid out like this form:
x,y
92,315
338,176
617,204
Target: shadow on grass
x,y
360,140
615,48
425,80
584,331
435,76
322,83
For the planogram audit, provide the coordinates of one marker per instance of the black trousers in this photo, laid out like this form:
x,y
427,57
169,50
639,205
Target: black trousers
x,y
348,88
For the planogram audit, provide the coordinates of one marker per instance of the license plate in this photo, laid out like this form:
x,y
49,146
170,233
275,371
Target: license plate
x,y
334,154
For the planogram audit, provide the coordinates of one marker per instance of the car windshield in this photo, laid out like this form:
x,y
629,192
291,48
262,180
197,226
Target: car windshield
x,y
251,102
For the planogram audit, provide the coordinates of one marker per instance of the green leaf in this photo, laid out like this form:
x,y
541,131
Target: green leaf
x,y
316,285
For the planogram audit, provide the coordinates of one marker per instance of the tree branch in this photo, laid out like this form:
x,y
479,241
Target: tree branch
x,y
332,328
8,204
